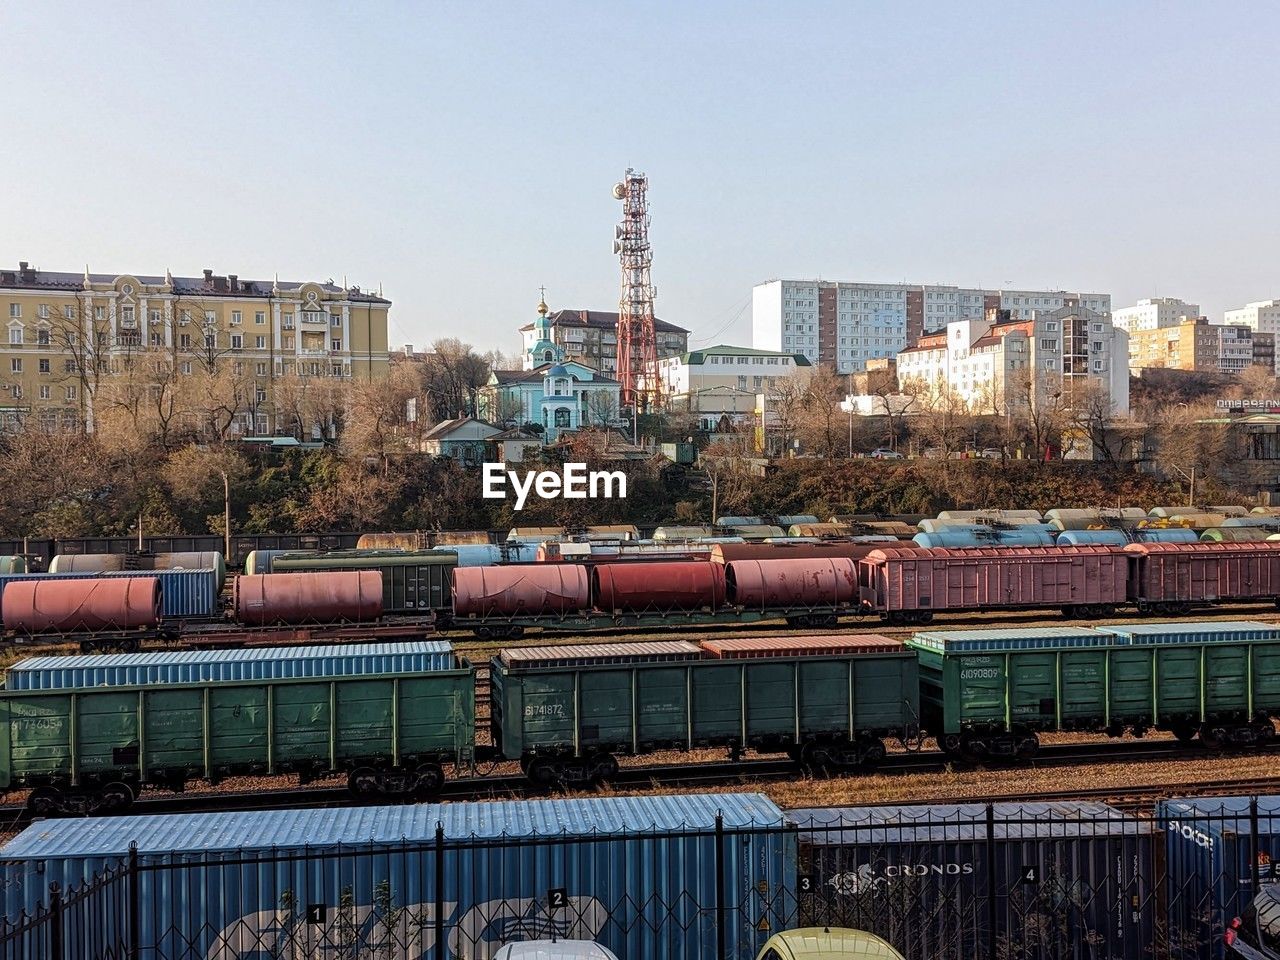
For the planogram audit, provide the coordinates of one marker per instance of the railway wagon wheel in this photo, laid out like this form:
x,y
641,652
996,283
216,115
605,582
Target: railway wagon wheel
x,y
44,801
430,780
363,782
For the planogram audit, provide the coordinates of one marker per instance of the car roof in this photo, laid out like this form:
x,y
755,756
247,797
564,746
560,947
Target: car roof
x,y
824,941
553,950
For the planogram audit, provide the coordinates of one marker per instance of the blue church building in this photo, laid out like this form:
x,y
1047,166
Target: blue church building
x,y
561,395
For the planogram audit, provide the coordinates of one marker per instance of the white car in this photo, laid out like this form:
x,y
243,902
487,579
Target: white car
x,y
553,950
884,453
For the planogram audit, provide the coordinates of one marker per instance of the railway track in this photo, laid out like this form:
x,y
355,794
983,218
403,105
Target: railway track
x,y
727,773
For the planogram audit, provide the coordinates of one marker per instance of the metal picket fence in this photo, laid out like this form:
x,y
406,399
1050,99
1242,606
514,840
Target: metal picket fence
x,y
986,883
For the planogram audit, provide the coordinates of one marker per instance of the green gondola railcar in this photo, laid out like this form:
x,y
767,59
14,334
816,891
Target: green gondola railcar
x,y
89,749
991,692
566,712
413,582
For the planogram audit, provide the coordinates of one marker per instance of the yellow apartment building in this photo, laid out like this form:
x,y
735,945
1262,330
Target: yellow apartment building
x,y
68,334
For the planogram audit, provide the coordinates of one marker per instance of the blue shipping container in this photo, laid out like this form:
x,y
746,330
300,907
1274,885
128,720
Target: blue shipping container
x,y
1210,848
1072,880
184,594
639,875
251,663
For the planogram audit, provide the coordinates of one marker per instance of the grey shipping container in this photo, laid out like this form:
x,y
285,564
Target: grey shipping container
x,y
1059,881
639,875
184,594
1212,850
251,663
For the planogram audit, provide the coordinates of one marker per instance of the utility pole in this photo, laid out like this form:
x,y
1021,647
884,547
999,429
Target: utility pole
x,y
226,513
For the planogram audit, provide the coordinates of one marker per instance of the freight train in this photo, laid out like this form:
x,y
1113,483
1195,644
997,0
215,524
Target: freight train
x,y
87,734
804,584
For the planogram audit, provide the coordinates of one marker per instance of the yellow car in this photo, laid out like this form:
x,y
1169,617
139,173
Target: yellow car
x,y
827,943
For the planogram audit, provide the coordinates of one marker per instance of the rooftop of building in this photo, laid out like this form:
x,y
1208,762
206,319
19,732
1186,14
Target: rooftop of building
x,y
600,320
26,277
725,350
444,428
538,374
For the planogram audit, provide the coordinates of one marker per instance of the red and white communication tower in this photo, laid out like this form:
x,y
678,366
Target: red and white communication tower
x,y
637,339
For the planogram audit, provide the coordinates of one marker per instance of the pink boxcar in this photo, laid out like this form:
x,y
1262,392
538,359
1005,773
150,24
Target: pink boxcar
x,y
1172,577
906,586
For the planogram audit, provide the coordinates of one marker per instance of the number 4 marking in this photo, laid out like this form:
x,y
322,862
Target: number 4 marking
x,y
1029,876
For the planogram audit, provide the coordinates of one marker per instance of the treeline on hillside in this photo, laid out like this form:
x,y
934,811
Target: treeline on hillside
x,y
60,485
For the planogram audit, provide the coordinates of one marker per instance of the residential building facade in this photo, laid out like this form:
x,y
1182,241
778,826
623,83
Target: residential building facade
x,y
995,364
724,381
1155,313
846,324
590,337
69,333
1200,346
1262,316
551,389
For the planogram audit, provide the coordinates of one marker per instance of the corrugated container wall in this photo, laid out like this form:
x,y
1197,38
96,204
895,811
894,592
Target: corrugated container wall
x,y
205,666
184,594
638,875
1210,851
1072,880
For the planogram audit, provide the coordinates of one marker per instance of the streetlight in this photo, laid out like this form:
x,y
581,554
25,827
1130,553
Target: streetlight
x,y
1191,497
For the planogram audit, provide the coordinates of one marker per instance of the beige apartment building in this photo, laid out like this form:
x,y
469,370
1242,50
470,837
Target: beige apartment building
x,y
1196,344
69,333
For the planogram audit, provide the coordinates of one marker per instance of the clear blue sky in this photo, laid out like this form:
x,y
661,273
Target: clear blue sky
x,y
462,154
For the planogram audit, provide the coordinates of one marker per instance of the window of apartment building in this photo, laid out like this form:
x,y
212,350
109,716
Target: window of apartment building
x,y
15,365
237,341
1050,366
742,383
262,369
69,366
1048,343
757,381
210,318
186,366
1097,328
335,344
184,317
260,343
43,311
210,341
286,320
126,316
15,310
236,318
46,392
337,370
184,340
335,319
1051,326
68,312
260,317
155,339
15,391
15,334
42,336
155,318
237,368
260,395
71,391
786,361
99,313
44,366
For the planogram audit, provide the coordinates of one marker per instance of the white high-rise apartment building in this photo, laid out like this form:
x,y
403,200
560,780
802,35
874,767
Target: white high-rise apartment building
x,y
845,324
1155,313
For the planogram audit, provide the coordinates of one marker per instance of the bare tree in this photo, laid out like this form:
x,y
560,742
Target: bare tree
x,y
729,474
602,408
944,422
1036,403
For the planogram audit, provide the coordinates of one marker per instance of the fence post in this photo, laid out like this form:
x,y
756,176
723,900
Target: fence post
x,y
1253,846
721,907
440,951
991,882
134,930
55,922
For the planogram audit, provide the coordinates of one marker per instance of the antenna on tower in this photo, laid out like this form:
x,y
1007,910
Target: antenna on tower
x,y
637,336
